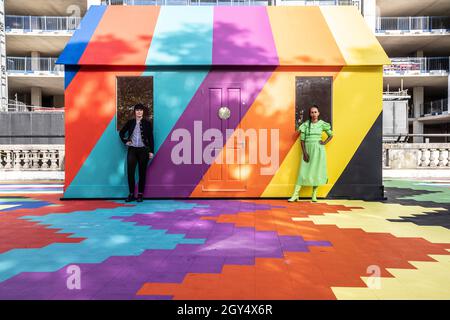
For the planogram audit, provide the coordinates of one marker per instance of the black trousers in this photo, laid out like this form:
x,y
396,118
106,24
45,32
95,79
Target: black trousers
x,y
137,156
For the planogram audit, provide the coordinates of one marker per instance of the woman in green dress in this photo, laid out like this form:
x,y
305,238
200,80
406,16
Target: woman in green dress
x,y
313,168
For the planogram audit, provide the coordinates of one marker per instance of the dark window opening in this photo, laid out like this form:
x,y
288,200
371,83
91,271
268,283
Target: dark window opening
x,y
313,90
130,91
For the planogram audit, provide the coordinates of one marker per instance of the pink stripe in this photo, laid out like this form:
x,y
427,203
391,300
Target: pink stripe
x,y
243,36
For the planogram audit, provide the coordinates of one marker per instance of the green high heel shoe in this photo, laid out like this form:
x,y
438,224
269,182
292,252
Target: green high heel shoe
x,y
295,195
314,195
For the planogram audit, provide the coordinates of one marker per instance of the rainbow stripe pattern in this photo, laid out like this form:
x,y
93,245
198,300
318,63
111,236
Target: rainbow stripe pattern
x,y
190,49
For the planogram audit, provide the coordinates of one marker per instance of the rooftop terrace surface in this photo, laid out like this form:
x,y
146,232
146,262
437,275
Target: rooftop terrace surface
x,y
226,249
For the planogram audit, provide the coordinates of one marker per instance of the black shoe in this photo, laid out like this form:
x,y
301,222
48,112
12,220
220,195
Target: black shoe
x,y
140,197
130,198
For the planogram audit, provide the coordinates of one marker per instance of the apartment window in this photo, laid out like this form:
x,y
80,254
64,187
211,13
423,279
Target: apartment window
x,y
130,91
313,90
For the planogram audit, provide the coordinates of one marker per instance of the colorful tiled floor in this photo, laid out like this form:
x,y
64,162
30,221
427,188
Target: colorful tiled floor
x,y
228,249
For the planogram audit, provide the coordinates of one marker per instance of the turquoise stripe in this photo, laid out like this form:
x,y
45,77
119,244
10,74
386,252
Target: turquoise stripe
x,y
103,174
173,90
187,33
104,237
183,36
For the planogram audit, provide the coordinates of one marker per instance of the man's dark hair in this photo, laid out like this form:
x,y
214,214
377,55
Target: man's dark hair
x,y
139,106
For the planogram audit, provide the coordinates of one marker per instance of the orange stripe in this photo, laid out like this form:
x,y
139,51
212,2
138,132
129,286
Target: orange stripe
x,y
122,37
302,37
273,109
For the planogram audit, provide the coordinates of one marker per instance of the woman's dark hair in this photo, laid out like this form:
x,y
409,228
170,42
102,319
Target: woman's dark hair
x,y
309,116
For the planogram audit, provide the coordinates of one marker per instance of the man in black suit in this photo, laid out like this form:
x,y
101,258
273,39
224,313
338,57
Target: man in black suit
x,y
137,134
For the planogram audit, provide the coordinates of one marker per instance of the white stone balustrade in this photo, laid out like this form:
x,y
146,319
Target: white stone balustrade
x,y
395,156
416,155
40,157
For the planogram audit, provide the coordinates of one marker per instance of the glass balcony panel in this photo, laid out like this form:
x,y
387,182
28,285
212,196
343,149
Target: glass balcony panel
x,y
30,65
418,66
408,24
46,23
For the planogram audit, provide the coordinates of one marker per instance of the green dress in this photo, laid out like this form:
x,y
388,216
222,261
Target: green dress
x,y
314,172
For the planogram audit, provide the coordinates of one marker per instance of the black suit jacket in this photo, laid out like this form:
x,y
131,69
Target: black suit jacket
x,y
146,132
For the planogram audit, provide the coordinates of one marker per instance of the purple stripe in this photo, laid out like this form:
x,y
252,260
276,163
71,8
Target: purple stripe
x,y
166,179
243,36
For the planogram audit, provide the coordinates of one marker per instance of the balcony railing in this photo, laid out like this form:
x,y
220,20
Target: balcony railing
x,y
231,2
413,24
322,2
418,66
33,65
19,106
41,23
434,108
396,95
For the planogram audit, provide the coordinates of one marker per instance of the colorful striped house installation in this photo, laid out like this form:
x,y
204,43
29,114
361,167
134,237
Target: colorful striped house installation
x,y
260,66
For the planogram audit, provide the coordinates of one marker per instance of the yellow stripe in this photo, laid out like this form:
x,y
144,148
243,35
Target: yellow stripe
x,y
357,43
357,102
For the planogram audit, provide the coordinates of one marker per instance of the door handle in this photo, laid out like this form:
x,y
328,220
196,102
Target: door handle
x,y
224,113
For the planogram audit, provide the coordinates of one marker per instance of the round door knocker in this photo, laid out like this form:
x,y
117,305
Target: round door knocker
x,y
224,113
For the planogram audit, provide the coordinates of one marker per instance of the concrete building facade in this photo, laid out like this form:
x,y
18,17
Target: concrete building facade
x,y
416,36
33,35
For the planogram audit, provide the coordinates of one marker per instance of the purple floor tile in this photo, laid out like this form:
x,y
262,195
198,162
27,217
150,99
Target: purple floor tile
x,y
120,277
